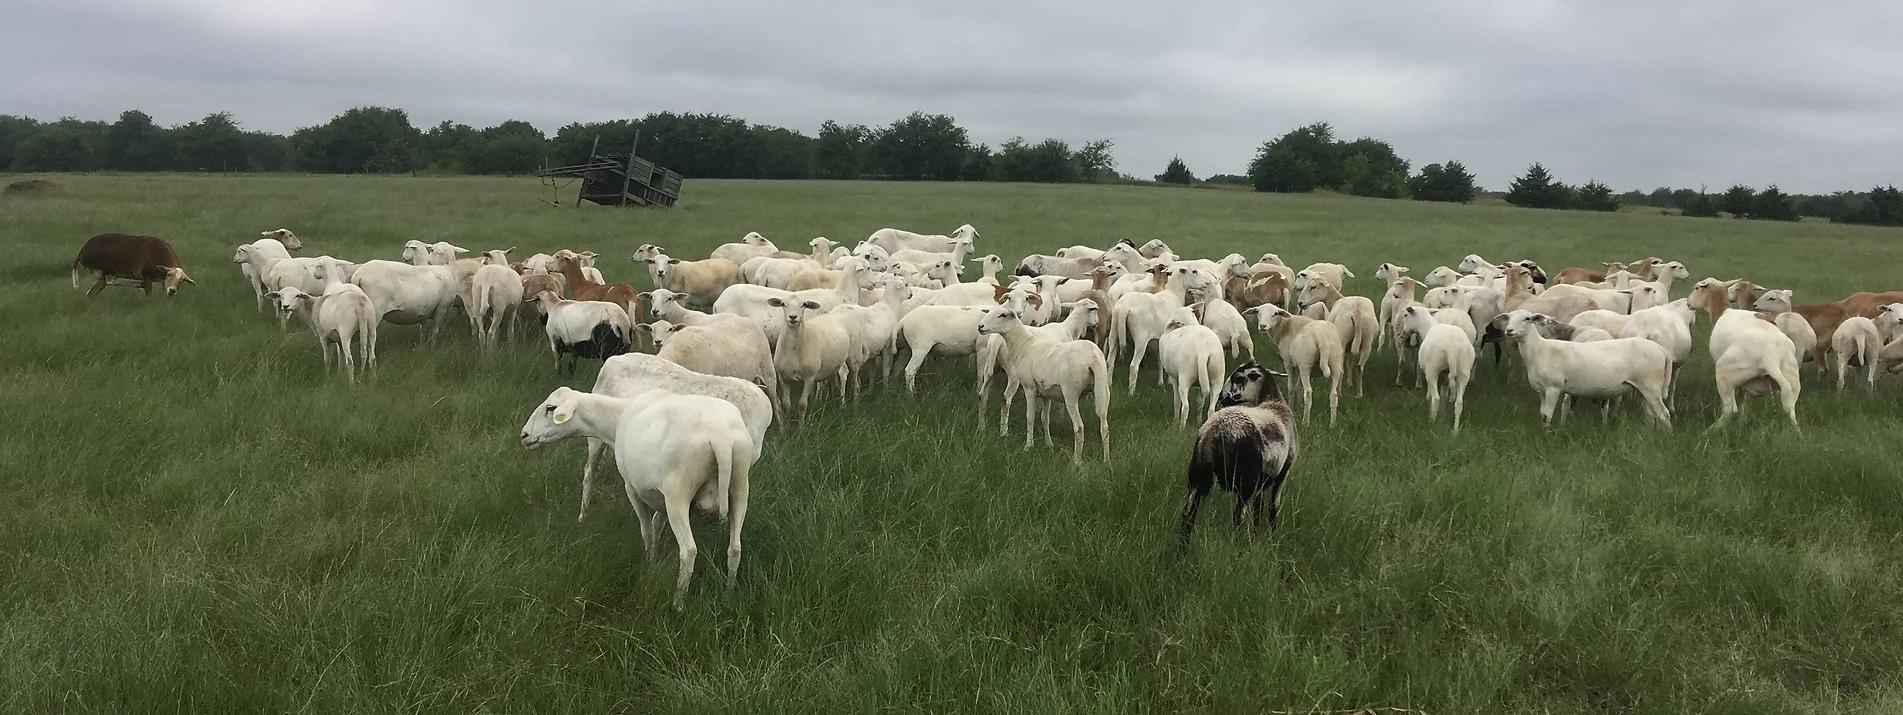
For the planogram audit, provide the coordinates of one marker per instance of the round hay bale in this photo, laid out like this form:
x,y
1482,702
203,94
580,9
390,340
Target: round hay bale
x,y
35,187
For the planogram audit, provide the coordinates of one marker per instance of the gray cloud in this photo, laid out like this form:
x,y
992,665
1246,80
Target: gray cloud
x,y
1634,94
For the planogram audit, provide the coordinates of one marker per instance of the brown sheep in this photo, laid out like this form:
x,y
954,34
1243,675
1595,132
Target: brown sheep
x,y
145,259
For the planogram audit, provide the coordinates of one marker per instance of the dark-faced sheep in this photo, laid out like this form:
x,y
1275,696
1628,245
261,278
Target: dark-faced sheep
x,y
1246,447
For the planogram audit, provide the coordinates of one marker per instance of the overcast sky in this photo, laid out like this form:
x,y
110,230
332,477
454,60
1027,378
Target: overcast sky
x,y
1636,94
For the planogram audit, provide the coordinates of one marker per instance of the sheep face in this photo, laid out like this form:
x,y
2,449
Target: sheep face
x,y
1442,276
1121,252
497,258
966,232
822,244
1272,259
794,311
1472,263
174,277
242,255
284,236
288,299
644,252
999,320
753,238
1674,268
659,298
1249,384
415,252
1389,272
1267,316
552,420
1775,301
1520,322
1155,247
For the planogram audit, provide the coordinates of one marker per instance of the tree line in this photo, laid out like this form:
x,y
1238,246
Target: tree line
x,y
918,146
1880,206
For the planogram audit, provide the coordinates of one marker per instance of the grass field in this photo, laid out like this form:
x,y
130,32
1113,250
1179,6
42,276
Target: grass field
x,y
197,518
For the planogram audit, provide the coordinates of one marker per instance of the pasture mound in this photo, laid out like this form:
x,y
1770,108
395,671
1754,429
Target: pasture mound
x,y
35,187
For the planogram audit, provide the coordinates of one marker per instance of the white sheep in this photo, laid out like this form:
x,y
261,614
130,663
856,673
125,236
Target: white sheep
x,y
1669,325
1190,354
1857,340
702,281
719,344
1140,317
993,352
893,239
1444,351
776,272
1353,316
405,294
750,245
1222,317
873,329
1595,370
1804,342
944,329
1748,353
675,453
1305,344
337,318
814,346
494,292
1400,294
255,260
1336,274
1049,368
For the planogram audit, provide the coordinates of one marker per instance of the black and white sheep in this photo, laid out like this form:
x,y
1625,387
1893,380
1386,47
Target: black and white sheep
x,y
1246,447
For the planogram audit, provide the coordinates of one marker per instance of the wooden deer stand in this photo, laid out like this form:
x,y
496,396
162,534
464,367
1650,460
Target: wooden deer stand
x,y
618,179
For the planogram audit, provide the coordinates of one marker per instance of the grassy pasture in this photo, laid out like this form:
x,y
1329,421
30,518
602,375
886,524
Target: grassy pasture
x,y
198,519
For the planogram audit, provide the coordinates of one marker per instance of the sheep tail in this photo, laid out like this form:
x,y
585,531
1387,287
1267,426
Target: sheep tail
x,y
1100,373
723,462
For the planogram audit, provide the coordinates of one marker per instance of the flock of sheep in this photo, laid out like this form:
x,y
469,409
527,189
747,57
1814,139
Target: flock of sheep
x,y
688,421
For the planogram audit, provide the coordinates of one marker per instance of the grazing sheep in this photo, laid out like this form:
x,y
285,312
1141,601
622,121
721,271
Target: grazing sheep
x,y
1595,370
1305,344
1190,354
1582,274
1247,447
675,453
407,294
1049,368
145,259
584,329
1445,350
1353,316
1043,265
338,318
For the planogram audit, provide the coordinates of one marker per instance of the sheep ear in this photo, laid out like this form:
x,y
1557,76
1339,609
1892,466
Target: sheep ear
x,y
811,305
673,260
776,302
643,328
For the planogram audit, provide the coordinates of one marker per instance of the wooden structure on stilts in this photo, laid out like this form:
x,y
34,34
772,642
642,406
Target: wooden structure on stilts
x,y
619,179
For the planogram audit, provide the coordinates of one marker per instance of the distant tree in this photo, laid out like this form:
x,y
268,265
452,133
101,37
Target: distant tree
x,y
1773,205
1700,205
264,151
1683,197
13,131
842,151
1836,207
512,147
1635,197
448,146
1738,200
1233,179
1443,182
1094,162
1047,161
1364,175
787,154
136,143
361,140
1883,206
1662,197
572,142
922,146
1539,190
66,145
1176,173
1299,161
214,143
1595,196
980,165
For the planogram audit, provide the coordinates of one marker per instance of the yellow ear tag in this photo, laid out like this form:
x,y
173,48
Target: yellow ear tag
x,y
561,417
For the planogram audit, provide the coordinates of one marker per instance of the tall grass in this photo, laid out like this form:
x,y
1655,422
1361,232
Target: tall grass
x,y
198,518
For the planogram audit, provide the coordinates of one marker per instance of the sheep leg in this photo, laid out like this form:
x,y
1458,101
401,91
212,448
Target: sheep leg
x,y
1102,400
1071,397
343,353
919,353
1137,350
677,506
1308,391
1182,401
1655,404
650,522
1004,413
1044,414
1186,520
1243,495
737,514
1549,401
1030,419
1334,396
1727,400
1433,395
98,285
1787,389
323,346
1843,368
806,395
588,478
1457,384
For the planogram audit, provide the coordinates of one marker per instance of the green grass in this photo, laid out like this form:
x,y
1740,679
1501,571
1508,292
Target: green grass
x,y
197,518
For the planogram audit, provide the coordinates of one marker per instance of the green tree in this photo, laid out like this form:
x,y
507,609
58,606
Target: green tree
x,y
447,146
1737,200
1094,162
1662,197
214,143
1361,175
136,143
512,147
842,151
1883,206
1538,190
66,145
1176,173
922,146
1443,182
264,151
1773,205
1595,196
1047,161
1299,161
980,165
573,141
786,154
361,140
13,131
1700,205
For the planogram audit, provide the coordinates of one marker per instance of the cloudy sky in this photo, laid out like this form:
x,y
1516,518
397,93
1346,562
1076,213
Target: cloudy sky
x,y
1636,94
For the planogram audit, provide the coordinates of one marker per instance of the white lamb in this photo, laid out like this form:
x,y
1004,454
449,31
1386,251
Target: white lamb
x,y
1305,344
1141,317
1353,316
1858,341
719,344
815,346
1049,369
1594,370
